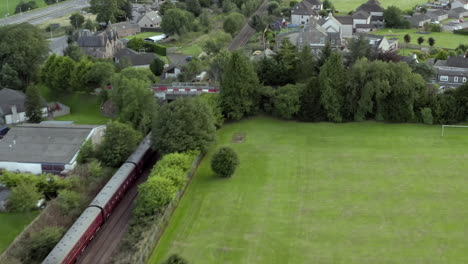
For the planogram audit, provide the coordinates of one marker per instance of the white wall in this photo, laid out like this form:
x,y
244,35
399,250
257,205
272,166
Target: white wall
x,y
35,168
21,117
360,21
347,31
301,20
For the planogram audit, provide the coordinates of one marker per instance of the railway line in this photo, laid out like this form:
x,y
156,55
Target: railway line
x,y
247,31
101,249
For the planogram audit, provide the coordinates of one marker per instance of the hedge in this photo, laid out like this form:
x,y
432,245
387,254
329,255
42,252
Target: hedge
x,y
158,49
461,32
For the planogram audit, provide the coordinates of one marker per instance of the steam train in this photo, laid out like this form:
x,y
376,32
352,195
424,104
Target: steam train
x,y
99,210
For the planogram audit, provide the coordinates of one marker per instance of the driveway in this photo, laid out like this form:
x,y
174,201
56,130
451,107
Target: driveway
x,y
450,28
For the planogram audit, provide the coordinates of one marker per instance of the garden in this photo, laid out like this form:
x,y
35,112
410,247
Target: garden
x,y
362,192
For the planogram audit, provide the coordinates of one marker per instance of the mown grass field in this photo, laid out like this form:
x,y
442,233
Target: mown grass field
x,y
344,6
442,39
11,225
10,6
328,193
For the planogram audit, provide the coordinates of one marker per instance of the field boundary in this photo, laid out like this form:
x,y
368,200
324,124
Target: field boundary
x,y
151,237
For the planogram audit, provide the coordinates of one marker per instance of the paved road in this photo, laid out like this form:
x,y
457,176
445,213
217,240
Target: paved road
x,y
247,31
41,15
57,45
450,28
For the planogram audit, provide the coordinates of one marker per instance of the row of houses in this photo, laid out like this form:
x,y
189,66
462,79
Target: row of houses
x,y
436,15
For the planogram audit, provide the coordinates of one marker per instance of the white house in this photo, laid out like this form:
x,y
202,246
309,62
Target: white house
x,y
12,109
45,148
150,20
346,25
459,3
361,17
305,12
172,72
331,25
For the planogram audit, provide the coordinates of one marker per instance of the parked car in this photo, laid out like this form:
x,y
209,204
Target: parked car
x,y
455,22
457,28
461,20
188,58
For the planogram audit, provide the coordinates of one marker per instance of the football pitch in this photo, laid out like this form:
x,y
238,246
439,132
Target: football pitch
x,y
328,193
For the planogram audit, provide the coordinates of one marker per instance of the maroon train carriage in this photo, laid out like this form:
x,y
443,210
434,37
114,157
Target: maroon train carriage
x,y
76,238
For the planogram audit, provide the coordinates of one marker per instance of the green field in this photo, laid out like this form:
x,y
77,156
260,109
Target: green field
x,y
442,39
12,5
328,193
11,225
344,6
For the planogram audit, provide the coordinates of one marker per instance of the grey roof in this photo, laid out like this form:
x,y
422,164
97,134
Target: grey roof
x,y
415,19
345,20
458,10
304,8
136,59
371,6
440,63
42,143
453,71
436,12
457,61
314,2
98,39
141,150
72,236
365,26
9,98
124,26
361,15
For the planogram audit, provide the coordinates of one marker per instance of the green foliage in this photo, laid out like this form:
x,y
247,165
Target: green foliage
x,y
166,6
46,184
100,74
68,201
57,74
157,66
359,48
394,18
233,23
183,125
23,49
286,101
175,259
86,152
153,196
216,42
426,115
461,31
311,108
138,44
442,55
23,197
306,64
79,76
218,65
25,6
177,176
42,242
228,6
176,21
332,80
74,52
111,10
272,6
407,38
181,161
120,140
423,69
239,88
213,101
194,7
77,20
420,41
224,162
33,105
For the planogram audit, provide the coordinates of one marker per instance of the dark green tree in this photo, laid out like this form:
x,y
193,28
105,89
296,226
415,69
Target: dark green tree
x,y
120,140
24,49
79,80
239,88
194,7
23,197
175,259
325,54
77,20
86,152
166,6
233,23
224,162
272,6
359,48
420,41
393,17
183,125
176,21
306,64
33,105
332,79
157,66
218,65
286,101
311,108
431,41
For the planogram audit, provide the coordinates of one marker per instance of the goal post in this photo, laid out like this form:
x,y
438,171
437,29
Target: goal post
x,y
444,126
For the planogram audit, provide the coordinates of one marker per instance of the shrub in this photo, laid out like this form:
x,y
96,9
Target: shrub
x,y
68,200
157,66
153,196
177,176
286,102
461,31
182,161
23,197
86,152
175,259
42,242
233,23
426,115
224,162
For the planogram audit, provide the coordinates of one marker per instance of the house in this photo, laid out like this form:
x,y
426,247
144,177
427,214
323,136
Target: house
x,y
331,24
458,13
150,20
125,29
316,4
138,10
303,13
130,57
437,15
418,20
102,45
12,108
459,3
364,28
375,10
346,25
382,43
452,72
361,18
45,148
172,72
313,35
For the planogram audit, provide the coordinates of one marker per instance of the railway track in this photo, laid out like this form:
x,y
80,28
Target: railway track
x,y
247,31
101,249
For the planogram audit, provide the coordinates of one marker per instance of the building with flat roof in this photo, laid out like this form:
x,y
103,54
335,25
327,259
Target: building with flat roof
x,y
45,148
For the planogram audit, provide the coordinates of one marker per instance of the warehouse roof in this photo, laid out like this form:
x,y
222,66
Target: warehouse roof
x,y
43,143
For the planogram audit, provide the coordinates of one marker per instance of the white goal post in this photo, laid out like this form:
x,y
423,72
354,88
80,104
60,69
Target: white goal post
x,y
444,126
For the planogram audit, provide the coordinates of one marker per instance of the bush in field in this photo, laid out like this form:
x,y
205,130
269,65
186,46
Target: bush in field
x,y
426,114
177,176
23,197
68,200
182,161
41,243
175,259
224,162
86,152
153,196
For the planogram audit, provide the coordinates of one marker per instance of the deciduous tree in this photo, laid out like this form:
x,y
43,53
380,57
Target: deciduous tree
x,y
176,21
33,104
233,23
332,83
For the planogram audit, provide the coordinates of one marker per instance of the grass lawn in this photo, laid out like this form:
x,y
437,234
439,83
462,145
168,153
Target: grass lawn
x,y
442,39
344,6
84,108
145,35
328,193
193,50
9,6
11,225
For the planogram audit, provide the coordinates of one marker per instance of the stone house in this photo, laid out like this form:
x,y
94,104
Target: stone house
x,y
452,72
134,59
150,20
125,29
102,45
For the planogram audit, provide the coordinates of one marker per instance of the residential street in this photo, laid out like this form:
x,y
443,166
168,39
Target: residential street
x,y
39,16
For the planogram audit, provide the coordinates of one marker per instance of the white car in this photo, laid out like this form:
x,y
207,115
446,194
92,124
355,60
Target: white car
x,y
457,28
